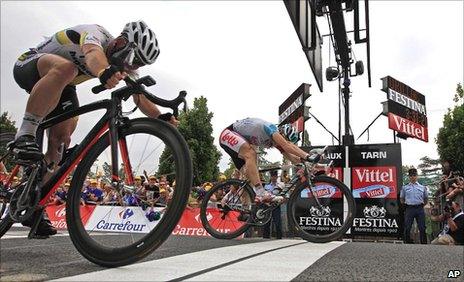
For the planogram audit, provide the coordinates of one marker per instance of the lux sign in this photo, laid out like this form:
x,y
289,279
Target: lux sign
x,y
293,107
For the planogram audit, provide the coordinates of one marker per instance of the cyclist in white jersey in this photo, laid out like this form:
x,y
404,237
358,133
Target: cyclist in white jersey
x,y
51,71
239,138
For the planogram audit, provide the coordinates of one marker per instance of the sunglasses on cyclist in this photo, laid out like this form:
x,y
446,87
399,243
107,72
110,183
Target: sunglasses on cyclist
x,y
126,54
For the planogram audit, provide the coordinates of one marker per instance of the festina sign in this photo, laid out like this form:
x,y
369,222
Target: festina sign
x,y
293,107
407,113
407,127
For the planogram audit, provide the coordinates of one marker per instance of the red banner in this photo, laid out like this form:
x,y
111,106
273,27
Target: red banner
x,y
57,215
374,182
190,222
407,127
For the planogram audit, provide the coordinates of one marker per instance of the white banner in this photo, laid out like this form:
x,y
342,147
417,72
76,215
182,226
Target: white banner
x,y
121,219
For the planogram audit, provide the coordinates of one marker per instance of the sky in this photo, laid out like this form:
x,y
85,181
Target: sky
x,y
246,59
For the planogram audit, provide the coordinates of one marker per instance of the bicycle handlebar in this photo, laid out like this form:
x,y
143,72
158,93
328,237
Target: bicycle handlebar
x,y
137,87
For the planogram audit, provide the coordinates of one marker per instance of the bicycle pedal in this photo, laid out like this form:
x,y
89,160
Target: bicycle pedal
x,y
27,158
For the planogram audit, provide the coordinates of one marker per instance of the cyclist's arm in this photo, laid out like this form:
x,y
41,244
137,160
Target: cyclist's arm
x,y
288,147
147,107
294,159
96,62
150,109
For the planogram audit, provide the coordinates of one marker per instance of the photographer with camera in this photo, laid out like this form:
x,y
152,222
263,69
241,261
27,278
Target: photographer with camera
x,y
453,231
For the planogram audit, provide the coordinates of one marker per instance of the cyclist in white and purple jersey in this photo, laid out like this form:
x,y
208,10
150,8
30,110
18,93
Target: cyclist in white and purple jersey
x,y
239,138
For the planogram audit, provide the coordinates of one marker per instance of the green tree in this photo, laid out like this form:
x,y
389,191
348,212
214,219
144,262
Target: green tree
x,y
6,124
195,125
450,138
230,169
430,173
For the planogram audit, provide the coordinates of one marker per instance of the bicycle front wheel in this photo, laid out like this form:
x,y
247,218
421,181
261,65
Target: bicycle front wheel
x,y
120,224
226,209
323,212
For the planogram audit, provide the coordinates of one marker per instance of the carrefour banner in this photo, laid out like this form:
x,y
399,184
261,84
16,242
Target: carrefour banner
x,y
373,173
132,219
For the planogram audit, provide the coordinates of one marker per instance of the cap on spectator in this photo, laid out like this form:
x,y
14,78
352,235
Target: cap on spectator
x,y
208,187
137,178
67,184
152,177
412,172
222,177
93,181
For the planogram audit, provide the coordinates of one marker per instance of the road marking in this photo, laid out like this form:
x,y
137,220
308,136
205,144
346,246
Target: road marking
x,y
280,265
290,255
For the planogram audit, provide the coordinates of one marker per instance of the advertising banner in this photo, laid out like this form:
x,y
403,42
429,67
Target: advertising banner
x,y
374,177
190,223
57,215
134,220
121,219
293,107
376,182
407,112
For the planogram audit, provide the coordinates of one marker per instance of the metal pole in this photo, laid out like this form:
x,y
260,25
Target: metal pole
x,y
348,139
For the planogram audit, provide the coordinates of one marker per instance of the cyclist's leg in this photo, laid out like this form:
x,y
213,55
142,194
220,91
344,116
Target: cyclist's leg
x,y
248,154
44,76
59,135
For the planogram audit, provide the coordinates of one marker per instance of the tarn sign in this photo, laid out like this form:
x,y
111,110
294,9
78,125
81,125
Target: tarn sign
x,y
407,113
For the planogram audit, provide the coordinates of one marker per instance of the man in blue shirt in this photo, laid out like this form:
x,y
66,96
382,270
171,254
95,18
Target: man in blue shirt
x,y
414,197
276,213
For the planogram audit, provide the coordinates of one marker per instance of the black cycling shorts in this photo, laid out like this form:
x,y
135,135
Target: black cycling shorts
x,y
26,75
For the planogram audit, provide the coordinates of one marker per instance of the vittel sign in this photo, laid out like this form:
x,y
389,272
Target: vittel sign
x,y
374,182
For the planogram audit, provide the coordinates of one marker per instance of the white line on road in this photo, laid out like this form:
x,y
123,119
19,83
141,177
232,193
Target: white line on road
x,y
280,265
188,264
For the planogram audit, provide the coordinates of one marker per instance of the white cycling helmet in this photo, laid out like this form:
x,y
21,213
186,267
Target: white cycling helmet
x,y
290,133
147,49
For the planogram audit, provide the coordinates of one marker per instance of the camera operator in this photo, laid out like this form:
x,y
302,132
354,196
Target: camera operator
x,y
453,231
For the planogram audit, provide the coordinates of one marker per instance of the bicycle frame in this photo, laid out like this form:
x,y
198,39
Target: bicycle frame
x,y
107,123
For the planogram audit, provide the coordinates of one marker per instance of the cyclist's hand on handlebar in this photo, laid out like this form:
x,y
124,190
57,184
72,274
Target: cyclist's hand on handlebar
x,y
169,118
111,76
174,121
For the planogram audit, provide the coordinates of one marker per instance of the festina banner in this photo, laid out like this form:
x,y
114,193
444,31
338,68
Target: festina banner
x,y
407,112
373,173
293,107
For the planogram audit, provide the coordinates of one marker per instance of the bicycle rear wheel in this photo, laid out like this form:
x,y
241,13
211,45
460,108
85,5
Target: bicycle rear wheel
x,y
123,231
226,209
5,189
322,213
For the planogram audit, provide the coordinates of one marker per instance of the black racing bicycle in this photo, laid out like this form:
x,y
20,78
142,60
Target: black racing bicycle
x,y
320,208
116,148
